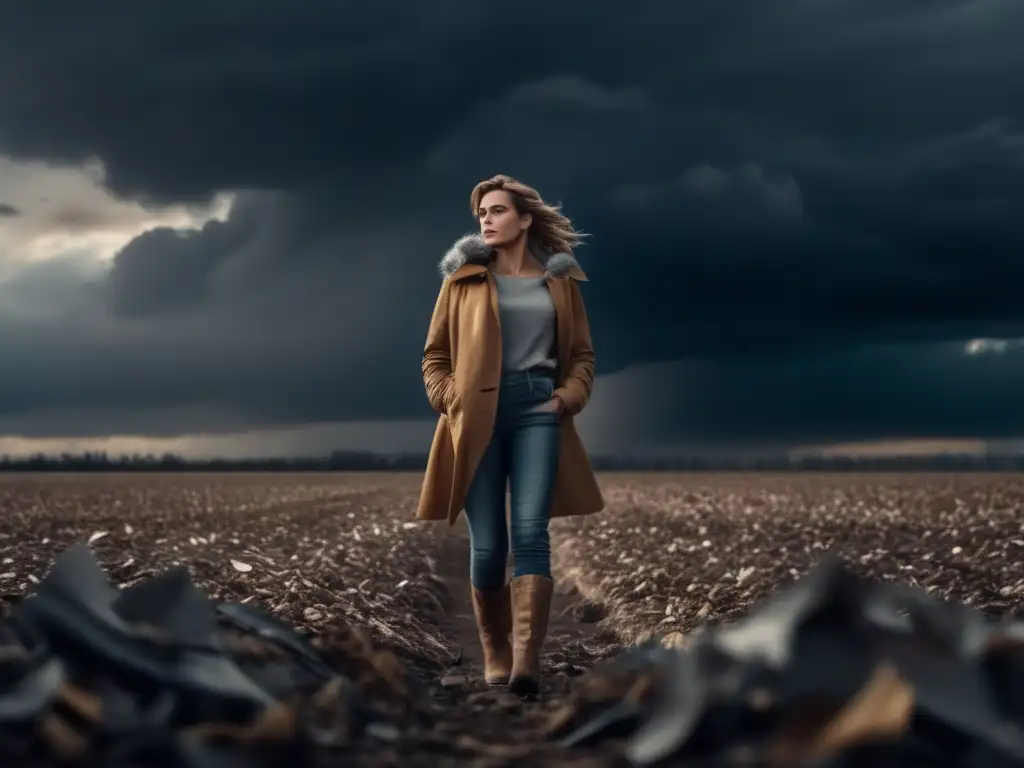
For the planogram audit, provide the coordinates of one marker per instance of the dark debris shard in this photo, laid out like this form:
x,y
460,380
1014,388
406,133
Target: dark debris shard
x,y
834,671
159,675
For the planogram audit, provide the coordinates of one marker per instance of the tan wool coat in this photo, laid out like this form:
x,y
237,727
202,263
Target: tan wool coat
x,y
462,373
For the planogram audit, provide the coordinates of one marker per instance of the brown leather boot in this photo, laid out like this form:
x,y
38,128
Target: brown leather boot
x,y
531,608
493,611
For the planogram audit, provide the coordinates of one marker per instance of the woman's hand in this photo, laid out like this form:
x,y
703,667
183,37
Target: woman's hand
x,y
555,405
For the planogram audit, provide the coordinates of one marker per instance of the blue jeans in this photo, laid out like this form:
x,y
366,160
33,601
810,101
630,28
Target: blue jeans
x,y
523,453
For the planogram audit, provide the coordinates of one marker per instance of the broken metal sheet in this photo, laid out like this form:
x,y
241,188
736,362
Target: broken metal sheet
x,y
676,713
249,618
157,674
616,716
834,671
31,695
30,676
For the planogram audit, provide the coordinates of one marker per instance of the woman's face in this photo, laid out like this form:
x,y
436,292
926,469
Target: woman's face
x,y
500,223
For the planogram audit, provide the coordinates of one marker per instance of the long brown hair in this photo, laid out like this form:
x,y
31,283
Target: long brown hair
x,y
550,230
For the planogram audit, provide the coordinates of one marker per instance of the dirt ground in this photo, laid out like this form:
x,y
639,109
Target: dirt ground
x,y
333,552
672,553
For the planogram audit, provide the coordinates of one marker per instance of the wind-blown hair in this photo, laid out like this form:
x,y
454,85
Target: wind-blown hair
x,y
551,230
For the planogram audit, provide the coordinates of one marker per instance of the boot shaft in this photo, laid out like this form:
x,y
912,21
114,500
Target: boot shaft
x,y
531,610
493,611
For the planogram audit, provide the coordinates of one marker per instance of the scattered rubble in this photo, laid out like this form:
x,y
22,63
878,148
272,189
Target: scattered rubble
x,y
158,674
834,671
239,621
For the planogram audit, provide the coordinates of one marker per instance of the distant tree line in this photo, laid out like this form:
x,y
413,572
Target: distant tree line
x,y
338,461
365,461
933,463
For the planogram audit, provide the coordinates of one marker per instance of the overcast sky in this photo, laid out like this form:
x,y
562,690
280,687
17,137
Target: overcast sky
x,y
220,222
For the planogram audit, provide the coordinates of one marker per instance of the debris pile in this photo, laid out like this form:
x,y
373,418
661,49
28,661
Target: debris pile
x,y
159,675
836,671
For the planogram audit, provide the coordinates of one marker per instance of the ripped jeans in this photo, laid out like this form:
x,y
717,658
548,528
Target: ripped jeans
x,y
522,454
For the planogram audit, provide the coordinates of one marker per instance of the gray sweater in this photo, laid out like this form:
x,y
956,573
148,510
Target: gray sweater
x,y
527,314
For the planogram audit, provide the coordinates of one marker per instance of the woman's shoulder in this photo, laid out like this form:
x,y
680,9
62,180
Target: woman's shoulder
x,y
471,250
468,249
564,265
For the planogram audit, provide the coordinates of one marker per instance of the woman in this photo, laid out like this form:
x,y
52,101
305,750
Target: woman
x,y
508,363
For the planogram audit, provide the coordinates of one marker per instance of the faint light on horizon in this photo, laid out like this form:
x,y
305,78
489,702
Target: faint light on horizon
x,y
991,346
894,447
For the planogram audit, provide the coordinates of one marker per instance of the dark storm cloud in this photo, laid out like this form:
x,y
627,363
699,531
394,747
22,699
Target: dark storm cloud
x,y
851,393
770,186
8,211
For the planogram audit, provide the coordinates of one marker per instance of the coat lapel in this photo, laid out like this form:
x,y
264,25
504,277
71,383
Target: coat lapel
x,y
492,289
557,286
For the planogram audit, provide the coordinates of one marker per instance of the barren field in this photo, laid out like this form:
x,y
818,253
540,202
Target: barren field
x,y
336,553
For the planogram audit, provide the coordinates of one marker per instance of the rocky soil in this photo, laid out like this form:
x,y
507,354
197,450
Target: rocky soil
x,y
339,557
672,553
